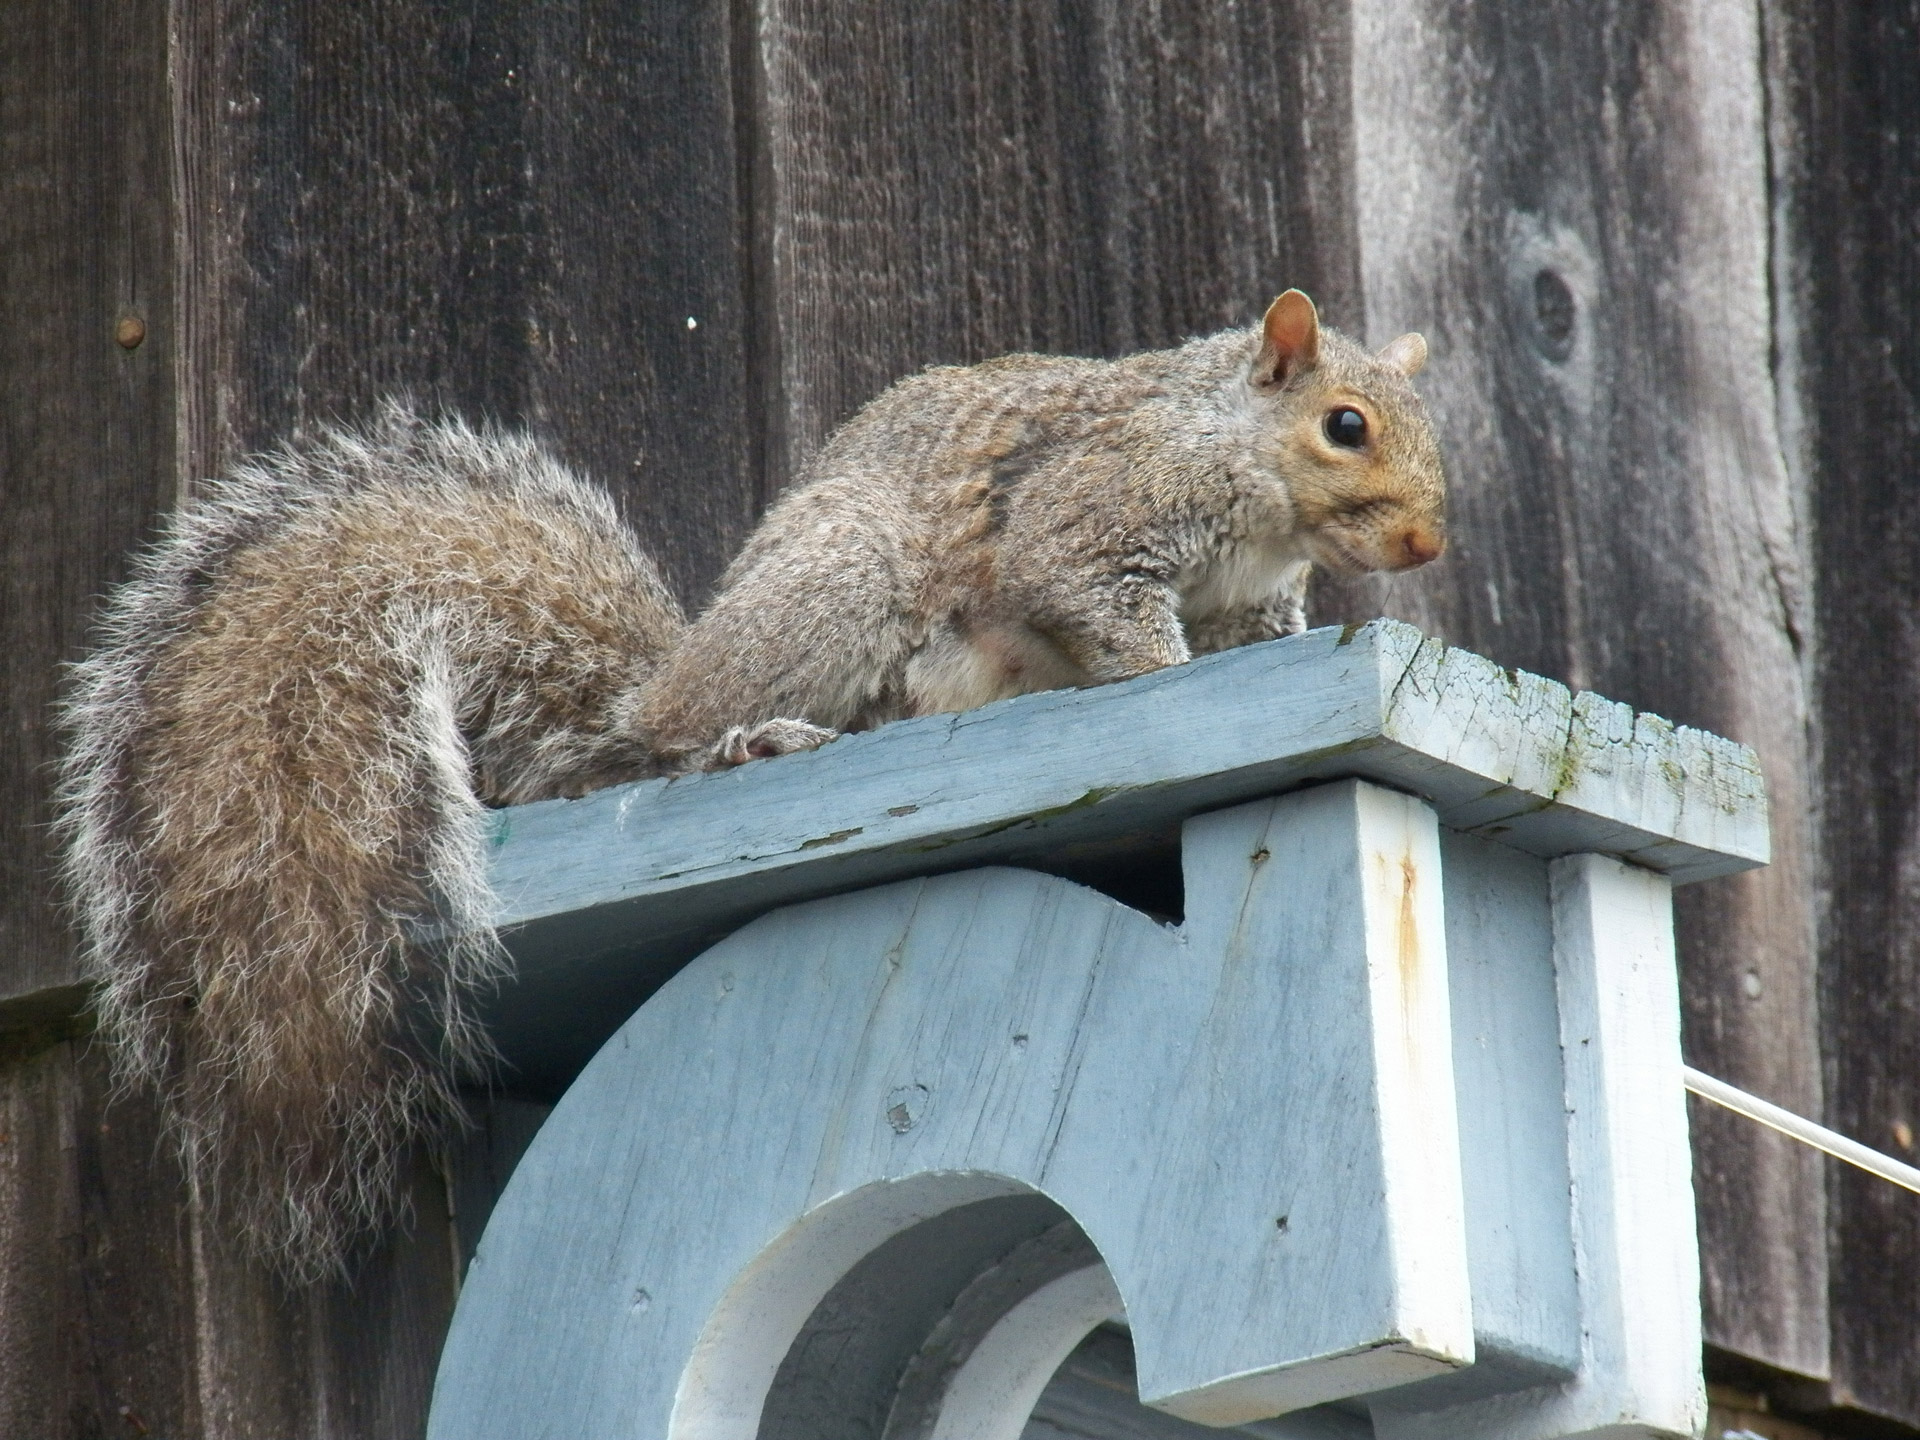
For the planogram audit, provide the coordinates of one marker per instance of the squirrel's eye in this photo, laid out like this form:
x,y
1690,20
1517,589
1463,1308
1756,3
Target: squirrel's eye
x,y
1347,426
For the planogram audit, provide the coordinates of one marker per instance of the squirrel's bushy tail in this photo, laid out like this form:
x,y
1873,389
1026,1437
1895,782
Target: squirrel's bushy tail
x,y
276,767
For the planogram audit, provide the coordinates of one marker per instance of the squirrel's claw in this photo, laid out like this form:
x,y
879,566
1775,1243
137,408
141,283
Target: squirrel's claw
x,y
770,737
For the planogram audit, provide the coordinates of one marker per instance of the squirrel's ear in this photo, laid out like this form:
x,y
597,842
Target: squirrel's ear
x,y
1290,340
1407,354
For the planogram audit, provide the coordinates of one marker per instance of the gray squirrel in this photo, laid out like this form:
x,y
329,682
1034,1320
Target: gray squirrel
x,y
279,753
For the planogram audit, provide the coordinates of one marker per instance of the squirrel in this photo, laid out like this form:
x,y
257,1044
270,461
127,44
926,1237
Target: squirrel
x,y
1036,522
332,660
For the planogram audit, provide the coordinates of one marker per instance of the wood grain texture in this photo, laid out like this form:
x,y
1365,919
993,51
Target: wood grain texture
x,y
1617,992
1849,127
945,182
121,1305
1531,195
933,1039
1002,1029
603,898
350,1358
93,1260
513,210
122,1308
85,424
510,209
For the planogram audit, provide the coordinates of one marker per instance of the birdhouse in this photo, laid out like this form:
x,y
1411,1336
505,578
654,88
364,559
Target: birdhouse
x,y
1304,1019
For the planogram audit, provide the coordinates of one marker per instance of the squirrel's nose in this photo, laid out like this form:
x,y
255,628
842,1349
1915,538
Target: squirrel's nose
x,y
1420,545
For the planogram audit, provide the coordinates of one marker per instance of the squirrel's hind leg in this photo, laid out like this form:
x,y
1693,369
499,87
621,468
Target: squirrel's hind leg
x,y
809,635
770,737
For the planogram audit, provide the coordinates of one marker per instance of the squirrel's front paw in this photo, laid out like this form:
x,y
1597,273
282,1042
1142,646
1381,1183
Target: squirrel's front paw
x,y
770,737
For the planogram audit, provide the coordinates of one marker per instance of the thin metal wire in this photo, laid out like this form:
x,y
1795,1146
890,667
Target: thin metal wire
x,y
1803,1130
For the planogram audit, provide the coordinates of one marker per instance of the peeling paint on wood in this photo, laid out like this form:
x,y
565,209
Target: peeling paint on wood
x,y
602,898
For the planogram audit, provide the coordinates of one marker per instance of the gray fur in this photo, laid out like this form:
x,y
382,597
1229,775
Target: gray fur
x,y
251,963
1040,521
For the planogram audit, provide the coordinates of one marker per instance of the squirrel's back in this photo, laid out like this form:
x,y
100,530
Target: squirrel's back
x,y
277,762
1038,521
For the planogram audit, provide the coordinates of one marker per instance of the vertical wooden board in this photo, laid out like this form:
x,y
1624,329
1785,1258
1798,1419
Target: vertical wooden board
x,y
350,1358
508,209
633,138
928,197
385,1328
1851,189
326,153
1302,897
96,1326
367,199
86,442
1508,1074
121,1299
257,1352
1226,165
945,182
1617,977
38,1242
1638,1332
1572,202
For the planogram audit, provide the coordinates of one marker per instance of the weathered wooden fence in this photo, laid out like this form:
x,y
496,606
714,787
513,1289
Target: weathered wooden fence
x,y
1664,252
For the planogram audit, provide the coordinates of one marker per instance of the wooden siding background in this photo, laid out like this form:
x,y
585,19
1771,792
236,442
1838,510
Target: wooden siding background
x,y
1665,254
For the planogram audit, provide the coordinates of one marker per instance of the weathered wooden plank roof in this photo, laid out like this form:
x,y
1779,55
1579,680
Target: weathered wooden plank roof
x,y
602,898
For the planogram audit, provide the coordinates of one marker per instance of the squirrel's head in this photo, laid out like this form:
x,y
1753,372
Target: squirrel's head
x,y
1352,441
